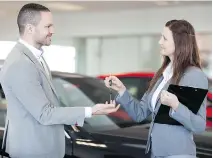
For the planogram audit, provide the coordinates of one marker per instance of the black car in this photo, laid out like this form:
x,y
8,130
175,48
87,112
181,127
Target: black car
x,y
102,136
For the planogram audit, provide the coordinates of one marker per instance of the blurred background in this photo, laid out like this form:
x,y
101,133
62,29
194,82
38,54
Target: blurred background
x,y
102,37
96,38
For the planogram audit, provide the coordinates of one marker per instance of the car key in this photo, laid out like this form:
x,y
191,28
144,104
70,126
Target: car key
x,y
110,95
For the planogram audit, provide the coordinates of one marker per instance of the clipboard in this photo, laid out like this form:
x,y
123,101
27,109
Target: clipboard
x,y
191,97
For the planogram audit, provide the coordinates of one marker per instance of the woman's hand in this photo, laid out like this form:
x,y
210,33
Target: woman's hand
x,y
117,85
169,99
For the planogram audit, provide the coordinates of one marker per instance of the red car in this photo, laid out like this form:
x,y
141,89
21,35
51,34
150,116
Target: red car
x,y
138,82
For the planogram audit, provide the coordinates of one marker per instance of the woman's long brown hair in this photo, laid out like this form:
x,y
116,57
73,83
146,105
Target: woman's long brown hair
x,y
186,51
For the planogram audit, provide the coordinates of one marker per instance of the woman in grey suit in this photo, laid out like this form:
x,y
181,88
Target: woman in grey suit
x,y
181,66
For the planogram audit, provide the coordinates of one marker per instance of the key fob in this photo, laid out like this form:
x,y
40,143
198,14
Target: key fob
x,y
110,82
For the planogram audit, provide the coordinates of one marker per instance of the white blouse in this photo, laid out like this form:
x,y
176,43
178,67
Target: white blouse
x,y
167,75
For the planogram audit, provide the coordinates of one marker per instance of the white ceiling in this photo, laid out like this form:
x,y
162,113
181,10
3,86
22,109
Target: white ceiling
x,y
81,18
94,6
12,7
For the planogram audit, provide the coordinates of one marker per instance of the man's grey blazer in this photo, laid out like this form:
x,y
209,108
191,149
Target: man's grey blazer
x,y
166,140
34,118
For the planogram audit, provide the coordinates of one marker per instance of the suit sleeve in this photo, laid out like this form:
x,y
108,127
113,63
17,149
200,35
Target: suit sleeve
x,y
138,111
193,122
25,84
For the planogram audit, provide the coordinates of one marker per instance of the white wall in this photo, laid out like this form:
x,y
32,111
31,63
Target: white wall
x,y
121,54
146,21
128,41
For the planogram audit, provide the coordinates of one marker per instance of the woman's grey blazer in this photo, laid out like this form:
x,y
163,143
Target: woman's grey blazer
x,y
170,139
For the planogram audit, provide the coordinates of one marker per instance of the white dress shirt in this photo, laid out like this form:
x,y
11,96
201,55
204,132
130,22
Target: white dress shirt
x,y
38,54
167,75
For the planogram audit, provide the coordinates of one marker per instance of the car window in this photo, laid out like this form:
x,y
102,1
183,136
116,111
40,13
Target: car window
x,y
70,95
132,85
135,85
93,88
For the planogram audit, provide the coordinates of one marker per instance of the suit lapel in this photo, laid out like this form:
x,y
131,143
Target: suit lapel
x,y
30,55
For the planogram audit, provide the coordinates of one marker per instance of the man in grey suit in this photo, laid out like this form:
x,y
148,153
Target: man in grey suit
x,y
34,124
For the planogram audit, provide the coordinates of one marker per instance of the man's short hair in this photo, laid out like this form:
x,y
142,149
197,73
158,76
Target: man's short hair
x,y
30,14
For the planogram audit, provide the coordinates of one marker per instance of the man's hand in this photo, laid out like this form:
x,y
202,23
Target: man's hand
x,y
103,109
